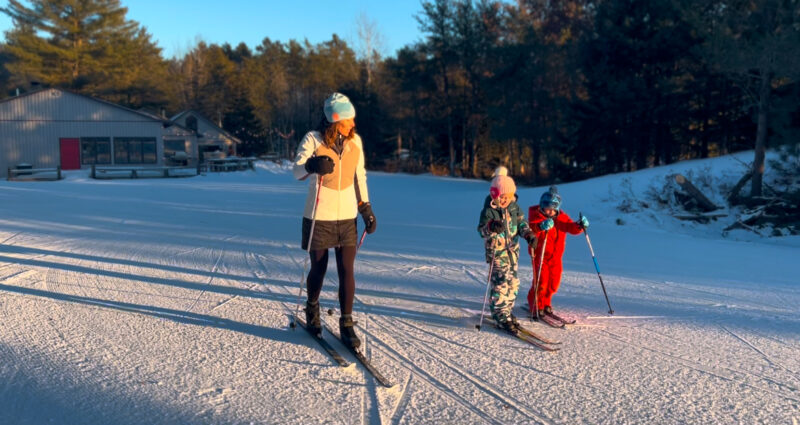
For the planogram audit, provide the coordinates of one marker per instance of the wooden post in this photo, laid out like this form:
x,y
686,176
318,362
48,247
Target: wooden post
x,y
701,199
8,176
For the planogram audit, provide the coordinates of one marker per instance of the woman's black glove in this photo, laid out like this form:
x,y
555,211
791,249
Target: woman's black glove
x,y
319,165
365,209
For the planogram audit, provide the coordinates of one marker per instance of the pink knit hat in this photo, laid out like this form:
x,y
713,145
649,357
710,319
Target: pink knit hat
x,y
501,183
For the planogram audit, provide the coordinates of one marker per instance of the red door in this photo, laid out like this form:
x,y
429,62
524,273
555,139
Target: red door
x,y
70,154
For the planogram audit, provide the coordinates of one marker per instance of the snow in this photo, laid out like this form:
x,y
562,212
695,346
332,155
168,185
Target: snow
x,y
168,301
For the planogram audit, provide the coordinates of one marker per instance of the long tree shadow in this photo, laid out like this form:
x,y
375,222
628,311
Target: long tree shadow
x,y
226,290
137,234
179,316
219,289
15,249
626,305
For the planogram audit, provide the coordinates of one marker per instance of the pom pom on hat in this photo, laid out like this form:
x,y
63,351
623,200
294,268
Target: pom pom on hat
x,y
500,171
337,107
501,183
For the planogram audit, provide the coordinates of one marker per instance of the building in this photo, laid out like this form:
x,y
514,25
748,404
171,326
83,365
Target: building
x,y
54,127
212,141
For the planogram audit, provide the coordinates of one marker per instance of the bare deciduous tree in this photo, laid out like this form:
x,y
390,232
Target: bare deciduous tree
x,y
371,44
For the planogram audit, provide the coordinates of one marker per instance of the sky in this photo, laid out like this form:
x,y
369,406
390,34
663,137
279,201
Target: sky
x,y
178,24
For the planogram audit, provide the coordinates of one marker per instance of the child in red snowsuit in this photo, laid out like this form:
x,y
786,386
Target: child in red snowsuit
x,y
547,220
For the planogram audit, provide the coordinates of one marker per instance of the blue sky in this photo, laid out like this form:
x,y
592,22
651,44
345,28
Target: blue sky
x,y
176,24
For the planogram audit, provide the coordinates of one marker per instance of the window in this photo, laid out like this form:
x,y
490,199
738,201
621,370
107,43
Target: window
x,y
95,150
191,123
149,152
172,146
135,150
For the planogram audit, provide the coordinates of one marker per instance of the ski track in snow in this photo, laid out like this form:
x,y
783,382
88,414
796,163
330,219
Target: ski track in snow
x,y
369,405
479,383
210,279
725,373
140,302
769,359
372,417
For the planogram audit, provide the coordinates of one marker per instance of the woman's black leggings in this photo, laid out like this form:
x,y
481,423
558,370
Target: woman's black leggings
x,y
345,260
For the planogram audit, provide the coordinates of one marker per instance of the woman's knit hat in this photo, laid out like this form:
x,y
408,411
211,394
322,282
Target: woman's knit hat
x,y
502,183
337,107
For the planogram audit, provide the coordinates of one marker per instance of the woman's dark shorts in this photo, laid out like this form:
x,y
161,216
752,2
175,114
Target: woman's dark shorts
x,y
330,234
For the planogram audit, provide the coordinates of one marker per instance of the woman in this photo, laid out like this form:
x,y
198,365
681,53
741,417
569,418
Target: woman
x,y
332,158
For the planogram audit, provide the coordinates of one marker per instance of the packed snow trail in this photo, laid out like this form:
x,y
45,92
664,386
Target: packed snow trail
x,y
142,301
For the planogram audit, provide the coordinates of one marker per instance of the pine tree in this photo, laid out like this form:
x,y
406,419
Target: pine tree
x,y
5,76
436,22
87,46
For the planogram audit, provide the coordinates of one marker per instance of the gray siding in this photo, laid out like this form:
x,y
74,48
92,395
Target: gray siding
x,y
31,126
57,105
210,133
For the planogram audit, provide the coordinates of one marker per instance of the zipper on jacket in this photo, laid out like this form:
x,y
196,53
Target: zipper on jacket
x,y
506,219
339,187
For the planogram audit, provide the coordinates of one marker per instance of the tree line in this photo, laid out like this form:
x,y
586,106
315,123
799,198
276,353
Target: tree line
x,y
556,91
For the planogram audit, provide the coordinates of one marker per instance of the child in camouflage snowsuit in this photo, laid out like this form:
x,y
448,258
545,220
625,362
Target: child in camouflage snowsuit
x,y
501,225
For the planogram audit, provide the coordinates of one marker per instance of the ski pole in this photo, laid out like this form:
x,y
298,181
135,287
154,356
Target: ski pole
x,y
366,318
538,278
308,251
508,243
596,267
361,240
486,294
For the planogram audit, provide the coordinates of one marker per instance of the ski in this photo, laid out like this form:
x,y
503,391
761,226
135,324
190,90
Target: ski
x,y
526,331
537,336
364,361
561,319
522,336
325,345
550,320
531,334
368,365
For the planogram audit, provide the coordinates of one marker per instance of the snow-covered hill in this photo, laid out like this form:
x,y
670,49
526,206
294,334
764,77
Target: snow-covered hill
x,y
168,301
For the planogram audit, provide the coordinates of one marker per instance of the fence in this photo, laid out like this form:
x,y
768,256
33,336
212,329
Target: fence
x,y
228,164
33,173
142,172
